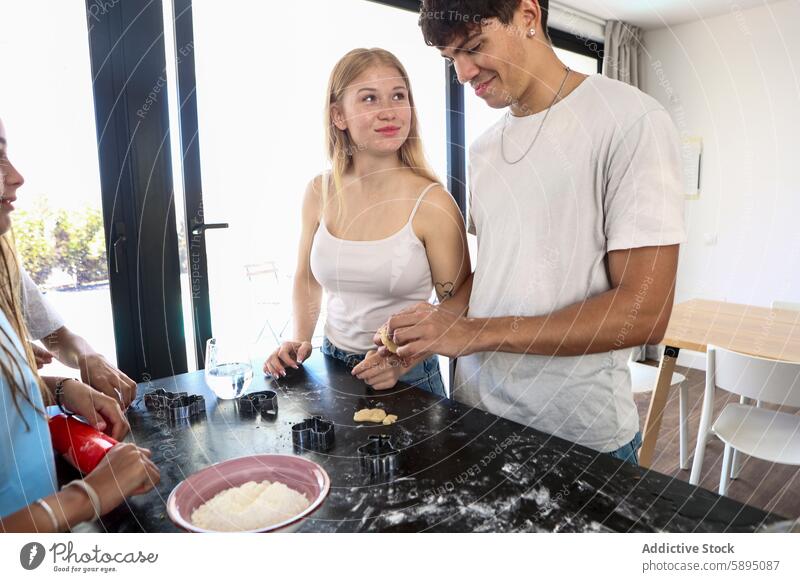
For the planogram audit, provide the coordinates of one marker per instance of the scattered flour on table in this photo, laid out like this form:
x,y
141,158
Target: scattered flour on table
x,y
249,506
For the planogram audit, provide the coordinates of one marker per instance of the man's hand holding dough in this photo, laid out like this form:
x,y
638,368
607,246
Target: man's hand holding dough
x,y
386,340
422,330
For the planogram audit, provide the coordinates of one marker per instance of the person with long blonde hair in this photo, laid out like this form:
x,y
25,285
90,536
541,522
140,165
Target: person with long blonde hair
x,y
29,497
379,232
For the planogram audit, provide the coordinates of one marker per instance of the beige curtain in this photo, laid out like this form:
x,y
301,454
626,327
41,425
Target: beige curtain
x,y
622,47
621,62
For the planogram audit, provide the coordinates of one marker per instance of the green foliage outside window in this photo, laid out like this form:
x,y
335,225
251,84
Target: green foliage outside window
x,y
72,241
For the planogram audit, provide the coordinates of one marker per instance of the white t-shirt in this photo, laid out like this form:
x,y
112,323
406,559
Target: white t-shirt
x,y
603,175
41,318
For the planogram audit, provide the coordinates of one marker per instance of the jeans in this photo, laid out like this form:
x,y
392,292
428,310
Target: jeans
x,y
629,452
424,375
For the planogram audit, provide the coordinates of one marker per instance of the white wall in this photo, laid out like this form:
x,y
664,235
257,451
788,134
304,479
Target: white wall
x,y
735,81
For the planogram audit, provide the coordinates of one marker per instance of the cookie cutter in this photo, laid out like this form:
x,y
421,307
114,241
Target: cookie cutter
x,y
378,456
179,405
265,402
158,398
315,433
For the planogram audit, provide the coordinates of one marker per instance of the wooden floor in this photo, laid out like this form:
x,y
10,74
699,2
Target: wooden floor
x,y
761,484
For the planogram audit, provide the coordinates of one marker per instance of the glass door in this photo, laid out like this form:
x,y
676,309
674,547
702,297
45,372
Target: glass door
x,y
46,104
260,78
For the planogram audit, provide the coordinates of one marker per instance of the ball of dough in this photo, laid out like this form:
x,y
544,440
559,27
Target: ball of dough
x,y
370,415
390,419
387,341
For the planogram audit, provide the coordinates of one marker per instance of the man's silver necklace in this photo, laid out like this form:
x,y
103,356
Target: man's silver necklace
x,y
547,113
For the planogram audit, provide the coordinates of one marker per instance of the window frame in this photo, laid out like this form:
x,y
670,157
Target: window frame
x,y
577,44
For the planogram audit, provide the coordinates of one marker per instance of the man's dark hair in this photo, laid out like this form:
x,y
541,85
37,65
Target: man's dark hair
x,y
442,21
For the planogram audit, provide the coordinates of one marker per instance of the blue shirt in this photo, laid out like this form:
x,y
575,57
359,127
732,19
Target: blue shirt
x,y
27,467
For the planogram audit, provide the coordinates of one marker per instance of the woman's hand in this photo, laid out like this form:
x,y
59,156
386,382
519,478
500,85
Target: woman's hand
x,y
380,372
97,372
42,356
289,354
125,470
102,412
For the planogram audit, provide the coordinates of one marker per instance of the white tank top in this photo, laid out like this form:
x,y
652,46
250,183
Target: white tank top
x,y
368,281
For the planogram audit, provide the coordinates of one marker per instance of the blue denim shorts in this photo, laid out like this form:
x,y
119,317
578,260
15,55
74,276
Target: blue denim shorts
x,y
425,375
629,452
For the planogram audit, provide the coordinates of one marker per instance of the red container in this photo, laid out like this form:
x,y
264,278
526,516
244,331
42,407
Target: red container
x,y
81,444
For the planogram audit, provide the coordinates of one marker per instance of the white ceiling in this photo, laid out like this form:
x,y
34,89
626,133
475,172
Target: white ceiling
x,y
660,13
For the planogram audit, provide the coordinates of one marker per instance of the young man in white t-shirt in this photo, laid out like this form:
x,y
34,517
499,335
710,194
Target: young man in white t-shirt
x,y
575,197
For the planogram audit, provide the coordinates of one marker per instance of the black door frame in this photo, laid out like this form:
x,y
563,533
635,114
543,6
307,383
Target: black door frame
x,y
191,174
126,46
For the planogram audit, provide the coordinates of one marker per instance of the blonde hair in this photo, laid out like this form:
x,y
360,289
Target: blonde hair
x,y
11,304
340,146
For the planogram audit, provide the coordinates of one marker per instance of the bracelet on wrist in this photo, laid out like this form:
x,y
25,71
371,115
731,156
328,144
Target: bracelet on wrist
x,y
94,498
59,393
50,513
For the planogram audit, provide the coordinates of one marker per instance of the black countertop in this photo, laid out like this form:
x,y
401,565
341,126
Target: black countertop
x,y
461,469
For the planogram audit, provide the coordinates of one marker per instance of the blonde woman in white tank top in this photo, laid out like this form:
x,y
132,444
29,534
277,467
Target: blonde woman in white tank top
x,y
379,233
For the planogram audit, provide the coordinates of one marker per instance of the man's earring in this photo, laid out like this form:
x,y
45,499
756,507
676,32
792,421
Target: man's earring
x,y
531,33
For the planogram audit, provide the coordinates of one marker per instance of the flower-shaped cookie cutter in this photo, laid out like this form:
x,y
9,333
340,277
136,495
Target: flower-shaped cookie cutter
x,y
265,402
178,405
315,434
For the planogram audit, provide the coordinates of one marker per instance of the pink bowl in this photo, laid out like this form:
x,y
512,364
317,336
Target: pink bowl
x,y
298,473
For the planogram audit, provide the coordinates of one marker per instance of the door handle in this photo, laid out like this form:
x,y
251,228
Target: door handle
x,y
120,240
202,227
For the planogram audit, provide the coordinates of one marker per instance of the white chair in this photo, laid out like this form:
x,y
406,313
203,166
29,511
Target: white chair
x,y
736,463
737,457
265,292
643,379
274,299
765,434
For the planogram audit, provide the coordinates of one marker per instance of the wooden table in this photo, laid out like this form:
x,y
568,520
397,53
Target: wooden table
x,y
758,331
